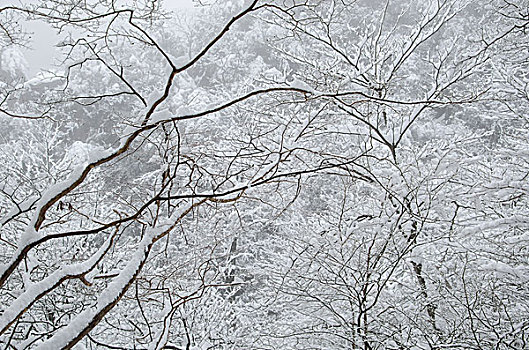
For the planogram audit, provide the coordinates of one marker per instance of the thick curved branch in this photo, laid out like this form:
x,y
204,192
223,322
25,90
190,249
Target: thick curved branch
x,y
37,290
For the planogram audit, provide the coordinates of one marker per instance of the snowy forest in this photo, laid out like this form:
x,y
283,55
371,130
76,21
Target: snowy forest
x,y
265,174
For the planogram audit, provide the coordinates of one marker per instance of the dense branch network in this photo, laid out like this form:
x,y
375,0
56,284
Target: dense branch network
x,y
315,174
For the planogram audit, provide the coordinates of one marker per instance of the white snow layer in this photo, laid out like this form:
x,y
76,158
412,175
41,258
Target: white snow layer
x,y
33,291
66,334
109,295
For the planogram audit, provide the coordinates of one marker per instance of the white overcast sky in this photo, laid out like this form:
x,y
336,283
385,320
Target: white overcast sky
x,y
41,54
